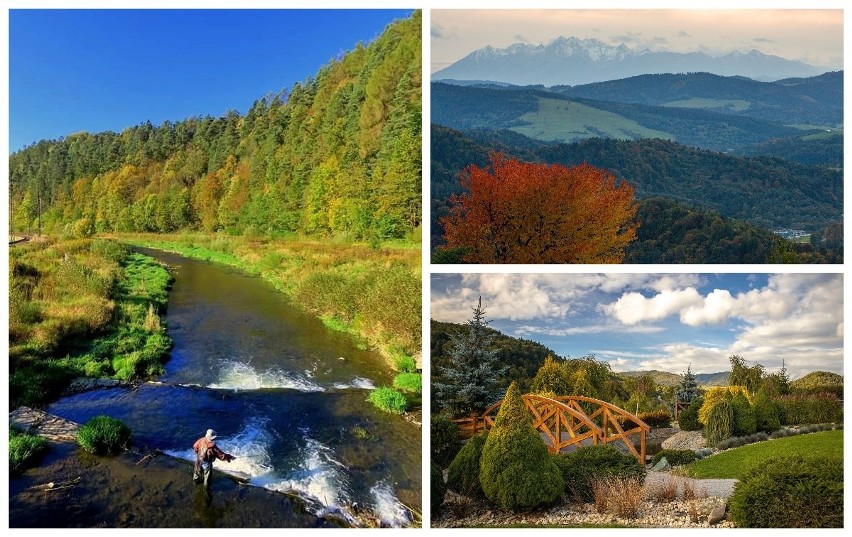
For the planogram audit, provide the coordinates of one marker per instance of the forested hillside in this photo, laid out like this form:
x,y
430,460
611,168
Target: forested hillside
x,y
696,220
336,155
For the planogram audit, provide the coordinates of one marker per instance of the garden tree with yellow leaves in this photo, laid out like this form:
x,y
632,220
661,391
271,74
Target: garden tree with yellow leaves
x,y
522,212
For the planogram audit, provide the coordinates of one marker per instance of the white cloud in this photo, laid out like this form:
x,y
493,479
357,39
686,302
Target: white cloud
x,y
633,308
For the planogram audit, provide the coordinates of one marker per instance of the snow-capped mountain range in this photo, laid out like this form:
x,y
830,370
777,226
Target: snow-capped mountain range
x,y
572,61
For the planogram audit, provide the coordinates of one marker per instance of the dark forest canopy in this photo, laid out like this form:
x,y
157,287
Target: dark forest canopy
x,y
337,155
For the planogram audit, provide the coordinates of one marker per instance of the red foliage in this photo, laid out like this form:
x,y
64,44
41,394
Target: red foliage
x,y
521,212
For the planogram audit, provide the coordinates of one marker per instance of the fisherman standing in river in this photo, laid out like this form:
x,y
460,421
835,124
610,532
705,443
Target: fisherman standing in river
x,y
206,451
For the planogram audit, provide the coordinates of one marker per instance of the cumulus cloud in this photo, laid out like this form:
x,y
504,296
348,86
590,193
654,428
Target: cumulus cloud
x,y
633,308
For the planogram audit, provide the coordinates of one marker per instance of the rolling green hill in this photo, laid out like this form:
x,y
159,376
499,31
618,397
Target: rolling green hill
x,y
664,378
816,379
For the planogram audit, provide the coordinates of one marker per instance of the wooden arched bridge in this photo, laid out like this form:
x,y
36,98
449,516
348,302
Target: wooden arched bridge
x,y
572,421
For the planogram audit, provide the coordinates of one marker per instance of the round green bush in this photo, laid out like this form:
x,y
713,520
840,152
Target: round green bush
x,y
516,471
103,435
581,468
389,400
676,457
688,419
744,417
791,492
463,475
720,423
437,488
444,436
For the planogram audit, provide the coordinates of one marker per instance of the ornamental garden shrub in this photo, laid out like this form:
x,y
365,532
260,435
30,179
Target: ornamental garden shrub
x,y
656,419
766,413
516,470
791,492
676,457
797,409
463,475
715,395
445,441
720,423
389,400
688,419
103,435
581,468
437,488
744,419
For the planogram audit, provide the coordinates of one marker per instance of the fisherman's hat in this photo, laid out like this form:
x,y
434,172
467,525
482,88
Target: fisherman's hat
x,y
211,434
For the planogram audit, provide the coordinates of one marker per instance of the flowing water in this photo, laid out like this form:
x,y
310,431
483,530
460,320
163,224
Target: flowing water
x,y
286,396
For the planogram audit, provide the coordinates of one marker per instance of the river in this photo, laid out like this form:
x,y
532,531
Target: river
x,y
287,397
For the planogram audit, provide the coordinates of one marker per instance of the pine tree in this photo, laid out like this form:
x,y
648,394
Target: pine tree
x,y
688,388
472,378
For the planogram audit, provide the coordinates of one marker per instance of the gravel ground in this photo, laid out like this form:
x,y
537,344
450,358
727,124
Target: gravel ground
x,y
719,488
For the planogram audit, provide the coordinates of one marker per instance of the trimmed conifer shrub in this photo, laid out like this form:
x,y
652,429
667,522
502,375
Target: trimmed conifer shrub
x,y
103,435
676,457
790,492
581,468
766,413
688,419
444,435
437,488
463,475
516,471
744,419
720,423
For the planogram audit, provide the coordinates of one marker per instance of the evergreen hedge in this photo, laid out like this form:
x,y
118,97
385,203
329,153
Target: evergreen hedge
x,y
581,468
745,422
444,435
516,470
688,419
720,423
437,488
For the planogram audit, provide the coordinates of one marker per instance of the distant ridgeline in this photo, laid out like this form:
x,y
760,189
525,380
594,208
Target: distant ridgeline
x,y
717,162
339,154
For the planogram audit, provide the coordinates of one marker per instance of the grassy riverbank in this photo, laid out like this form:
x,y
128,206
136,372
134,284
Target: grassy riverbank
x,y
372,293
82,308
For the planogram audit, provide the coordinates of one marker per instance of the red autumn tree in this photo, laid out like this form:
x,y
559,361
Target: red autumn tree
x,y
522,212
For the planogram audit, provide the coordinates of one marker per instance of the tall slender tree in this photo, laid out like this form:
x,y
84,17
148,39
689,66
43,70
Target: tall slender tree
x,y
471,381
688,388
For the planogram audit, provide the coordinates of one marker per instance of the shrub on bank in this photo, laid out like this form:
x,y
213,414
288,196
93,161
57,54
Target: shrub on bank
x,y
463,474
389,400
444,436
25,450
676,457
790,492
656,419
581,468
516,471
103,435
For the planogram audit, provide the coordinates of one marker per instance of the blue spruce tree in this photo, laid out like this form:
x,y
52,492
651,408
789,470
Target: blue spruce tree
x,y
472,381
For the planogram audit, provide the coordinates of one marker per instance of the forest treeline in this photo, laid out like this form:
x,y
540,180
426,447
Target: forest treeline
x,y
337,155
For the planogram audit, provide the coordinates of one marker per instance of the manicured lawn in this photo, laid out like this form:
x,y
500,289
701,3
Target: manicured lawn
x,y
734,463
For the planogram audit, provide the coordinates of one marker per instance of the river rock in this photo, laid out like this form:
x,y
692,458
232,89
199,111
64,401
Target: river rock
x,y
662,466
716,515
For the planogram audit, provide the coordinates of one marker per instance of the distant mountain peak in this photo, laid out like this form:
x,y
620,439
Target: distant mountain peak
x,y
573,61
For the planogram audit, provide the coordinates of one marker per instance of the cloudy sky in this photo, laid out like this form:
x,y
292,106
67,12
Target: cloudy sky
x,y
665,322
811,36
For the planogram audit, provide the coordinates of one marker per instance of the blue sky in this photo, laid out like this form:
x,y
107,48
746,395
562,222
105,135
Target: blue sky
x,y
661,321
97,70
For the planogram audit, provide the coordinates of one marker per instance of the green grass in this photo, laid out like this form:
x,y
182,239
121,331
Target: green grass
x,y
408,382
83,308
389,400
25,450
104,435
567,121
734,105
735,463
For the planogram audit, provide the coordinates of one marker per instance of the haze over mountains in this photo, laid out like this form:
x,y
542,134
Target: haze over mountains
x,y
573,61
